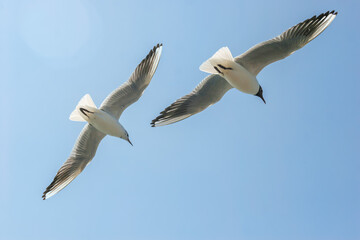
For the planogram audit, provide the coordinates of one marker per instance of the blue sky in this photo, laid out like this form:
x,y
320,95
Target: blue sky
x,y
239,170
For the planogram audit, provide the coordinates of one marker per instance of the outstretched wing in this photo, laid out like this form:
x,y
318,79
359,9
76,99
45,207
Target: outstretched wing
x,y
82,153
262,54
209,91
131,91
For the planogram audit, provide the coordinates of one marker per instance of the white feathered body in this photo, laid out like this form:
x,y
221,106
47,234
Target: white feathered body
x,y
104,122
223,63
239,77
87,111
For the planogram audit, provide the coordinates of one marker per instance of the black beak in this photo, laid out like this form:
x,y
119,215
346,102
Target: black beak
x,y
130,142
260,94
262,98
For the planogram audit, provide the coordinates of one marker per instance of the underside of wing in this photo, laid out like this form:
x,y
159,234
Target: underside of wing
x,y
262,54
82,153
132,90
66,174
208,92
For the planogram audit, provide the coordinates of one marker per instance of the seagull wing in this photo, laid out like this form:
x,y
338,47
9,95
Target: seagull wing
x,y
262,54
81,155
208,92
131,91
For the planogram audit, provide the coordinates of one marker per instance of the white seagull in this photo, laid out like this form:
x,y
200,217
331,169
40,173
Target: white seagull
x,y
103,121
240,72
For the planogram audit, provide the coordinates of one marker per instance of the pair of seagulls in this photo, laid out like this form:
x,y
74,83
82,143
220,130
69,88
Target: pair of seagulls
x,y
226,73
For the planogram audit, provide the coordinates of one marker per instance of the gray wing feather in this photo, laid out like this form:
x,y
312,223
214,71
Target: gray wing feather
x,y
131,91
209,91
82,153
262,54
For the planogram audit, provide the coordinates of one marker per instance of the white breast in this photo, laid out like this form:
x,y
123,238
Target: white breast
x,y
240,78
105,123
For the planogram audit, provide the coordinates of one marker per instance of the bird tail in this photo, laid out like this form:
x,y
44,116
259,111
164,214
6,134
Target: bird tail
x,y
218,61
86,101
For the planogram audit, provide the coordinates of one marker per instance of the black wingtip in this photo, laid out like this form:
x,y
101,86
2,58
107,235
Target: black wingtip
x,y
154,49
153,122
333,12
157,46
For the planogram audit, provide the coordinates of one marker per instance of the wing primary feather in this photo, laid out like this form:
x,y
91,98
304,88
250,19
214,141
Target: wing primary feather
x,y
296,37
207,93
83,152
131,90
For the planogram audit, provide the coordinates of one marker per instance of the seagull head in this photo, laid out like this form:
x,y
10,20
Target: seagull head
x,y
260,94
125,135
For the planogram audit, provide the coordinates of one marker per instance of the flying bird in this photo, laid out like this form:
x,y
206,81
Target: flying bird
x,y
103,121
240,72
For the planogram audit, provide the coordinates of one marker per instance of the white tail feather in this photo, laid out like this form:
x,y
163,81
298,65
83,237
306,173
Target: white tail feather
x,y
223,53
221,56
84,101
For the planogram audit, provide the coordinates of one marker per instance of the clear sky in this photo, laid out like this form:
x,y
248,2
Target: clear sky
x,y
239,170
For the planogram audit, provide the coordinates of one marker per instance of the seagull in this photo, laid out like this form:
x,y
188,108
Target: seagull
x,y
240,72
103,121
